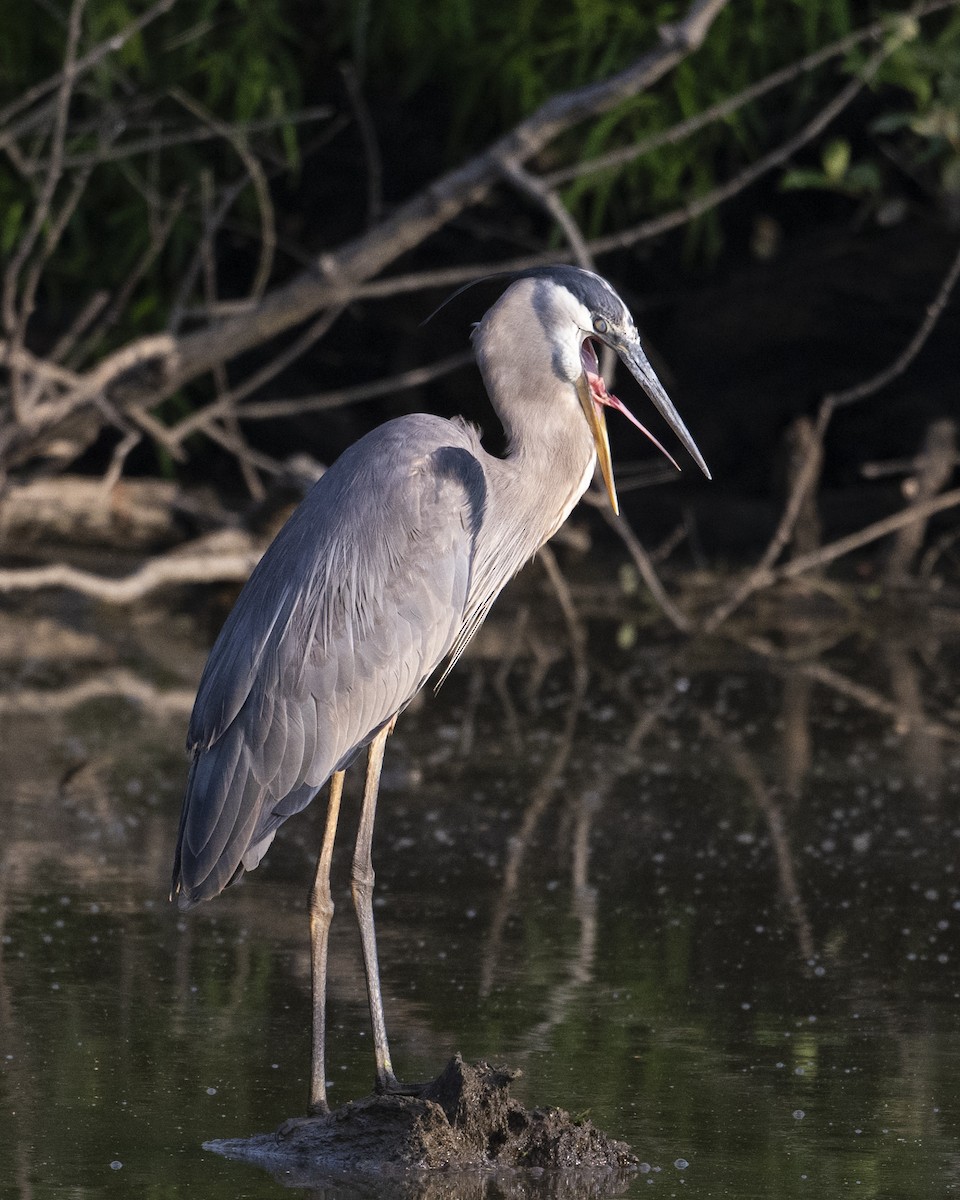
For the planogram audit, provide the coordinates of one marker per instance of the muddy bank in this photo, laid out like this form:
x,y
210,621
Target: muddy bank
x,y
464,1120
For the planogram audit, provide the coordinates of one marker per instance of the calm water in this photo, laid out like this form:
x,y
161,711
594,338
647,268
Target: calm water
x,y
713,905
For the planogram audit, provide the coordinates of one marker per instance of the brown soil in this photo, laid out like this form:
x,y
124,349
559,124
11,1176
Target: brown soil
x,y
464,1120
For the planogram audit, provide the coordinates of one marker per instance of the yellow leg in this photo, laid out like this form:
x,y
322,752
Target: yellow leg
x,y
321,915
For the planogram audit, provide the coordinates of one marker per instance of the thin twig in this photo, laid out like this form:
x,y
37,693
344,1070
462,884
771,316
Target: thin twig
x,y
82,65
763,574
867,697
15,321
731,104
185,137
551,203
643,563
268,410
268,231
368,139
903,360
698,207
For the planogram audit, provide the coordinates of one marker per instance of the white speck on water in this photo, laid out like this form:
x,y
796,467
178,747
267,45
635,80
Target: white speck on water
x,y
116,1165
211,1091
681,1164
798,1114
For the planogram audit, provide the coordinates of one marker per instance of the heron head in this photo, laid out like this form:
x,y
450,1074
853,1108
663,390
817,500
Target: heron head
x,y
599,315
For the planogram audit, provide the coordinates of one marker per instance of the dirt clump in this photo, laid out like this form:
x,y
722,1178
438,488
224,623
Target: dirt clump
x,y
463,1120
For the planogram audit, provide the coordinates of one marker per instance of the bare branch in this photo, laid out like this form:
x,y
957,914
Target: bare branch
x,y
731,104
171,569
551,203
903,360
16,315
368,139
268,410
763,574
268,232
82,65
336,276
642,562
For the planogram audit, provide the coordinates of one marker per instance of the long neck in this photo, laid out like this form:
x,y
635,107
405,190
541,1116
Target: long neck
x,y
550,453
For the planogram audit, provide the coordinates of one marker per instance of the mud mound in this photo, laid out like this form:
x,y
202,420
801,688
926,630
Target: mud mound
x,y
464,1120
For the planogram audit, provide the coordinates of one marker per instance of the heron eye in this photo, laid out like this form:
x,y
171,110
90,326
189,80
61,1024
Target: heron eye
x,y
600,325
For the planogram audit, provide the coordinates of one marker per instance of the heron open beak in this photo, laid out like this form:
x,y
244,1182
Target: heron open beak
x,y
594,398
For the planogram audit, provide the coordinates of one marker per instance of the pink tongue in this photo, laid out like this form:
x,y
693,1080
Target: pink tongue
x,y
601,397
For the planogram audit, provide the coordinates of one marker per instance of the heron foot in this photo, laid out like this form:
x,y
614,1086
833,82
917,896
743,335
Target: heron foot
x,y
292,1124
390,1085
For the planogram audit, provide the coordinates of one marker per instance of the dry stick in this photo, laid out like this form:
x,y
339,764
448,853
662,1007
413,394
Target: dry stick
x,y
763,574
268,410
204,417
131,439
656,226
157,348
939,457
867,697
221,380
444,200
242,450
641,560
268,228
14,321
863,537
548,200
693,29
95,56
44,368
56,225
156,573
158,239
731,104
337,274
575,628
368,140
168,141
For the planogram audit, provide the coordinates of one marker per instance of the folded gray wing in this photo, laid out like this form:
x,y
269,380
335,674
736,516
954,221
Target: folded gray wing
x,y
355,603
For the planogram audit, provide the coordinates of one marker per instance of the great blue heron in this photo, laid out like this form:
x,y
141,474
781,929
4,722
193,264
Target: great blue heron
x,y
387,568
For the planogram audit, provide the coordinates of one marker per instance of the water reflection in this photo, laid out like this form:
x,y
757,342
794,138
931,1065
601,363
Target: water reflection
x,y
706,894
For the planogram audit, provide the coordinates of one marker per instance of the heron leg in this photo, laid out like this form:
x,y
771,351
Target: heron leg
x,y
361,886
321,915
